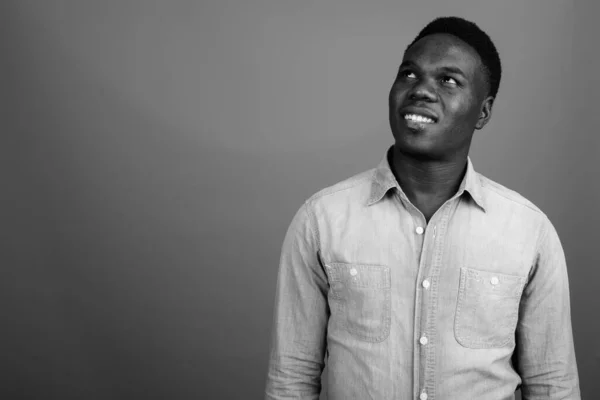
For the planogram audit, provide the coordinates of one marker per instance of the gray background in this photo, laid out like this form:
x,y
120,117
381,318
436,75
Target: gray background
x,y
153,154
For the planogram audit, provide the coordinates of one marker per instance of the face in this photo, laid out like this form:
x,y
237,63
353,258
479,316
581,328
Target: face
x,y
439,98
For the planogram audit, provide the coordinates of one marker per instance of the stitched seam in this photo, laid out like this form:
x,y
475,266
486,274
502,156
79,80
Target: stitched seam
x,y
487,183
384,331
541,235
336,270
345,185
312,220
431,350
475,343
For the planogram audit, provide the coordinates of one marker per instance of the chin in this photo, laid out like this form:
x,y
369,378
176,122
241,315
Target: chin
x,y
409,144
418,134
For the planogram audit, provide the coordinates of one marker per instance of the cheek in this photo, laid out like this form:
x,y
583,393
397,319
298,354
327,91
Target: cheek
x,y
395,95
463,110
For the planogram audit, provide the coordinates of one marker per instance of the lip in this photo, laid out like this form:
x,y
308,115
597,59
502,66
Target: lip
x,y
425,112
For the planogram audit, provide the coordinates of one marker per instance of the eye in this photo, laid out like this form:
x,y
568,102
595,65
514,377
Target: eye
x,y
408,74
449,81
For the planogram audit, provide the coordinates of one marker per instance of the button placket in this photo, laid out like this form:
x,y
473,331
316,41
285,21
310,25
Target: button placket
x,y
428,347
424,305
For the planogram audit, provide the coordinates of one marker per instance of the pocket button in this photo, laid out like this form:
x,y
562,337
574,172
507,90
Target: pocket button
x,y
353,272
494,281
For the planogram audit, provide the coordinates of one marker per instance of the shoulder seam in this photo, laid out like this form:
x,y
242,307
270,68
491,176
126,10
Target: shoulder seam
x,y
329,190
488,183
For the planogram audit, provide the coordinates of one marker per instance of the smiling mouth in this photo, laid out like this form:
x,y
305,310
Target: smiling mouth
x,y
419,119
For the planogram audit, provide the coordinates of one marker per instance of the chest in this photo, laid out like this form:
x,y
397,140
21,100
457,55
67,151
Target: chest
x,y
454,238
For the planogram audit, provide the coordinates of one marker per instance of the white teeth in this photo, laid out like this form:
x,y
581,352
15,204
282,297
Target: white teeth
x,y
418,118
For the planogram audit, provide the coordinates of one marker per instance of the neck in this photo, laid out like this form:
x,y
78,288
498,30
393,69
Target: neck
x,y
428,181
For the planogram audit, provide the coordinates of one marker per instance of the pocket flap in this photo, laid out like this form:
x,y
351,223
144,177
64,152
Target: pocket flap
x,y
359,275
492,283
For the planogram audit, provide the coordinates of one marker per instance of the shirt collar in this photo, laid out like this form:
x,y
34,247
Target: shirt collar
x,y
384,180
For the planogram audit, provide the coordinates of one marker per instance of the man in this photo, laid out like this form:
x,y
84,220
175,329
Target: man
x,y
422,279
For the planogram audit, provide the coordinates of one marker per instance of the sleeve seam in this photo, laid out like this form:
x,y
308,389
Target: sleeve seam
x,y
539,246
314,231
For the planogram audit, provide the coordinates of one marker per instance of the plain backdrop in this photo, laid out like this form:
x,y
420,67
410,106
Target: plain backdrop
x,y
153,154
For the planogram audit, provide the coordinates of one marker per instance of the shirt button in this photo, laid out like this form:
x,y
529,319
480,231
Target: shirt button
x,y
494,280
426,284
423,396
423,340
420,230
353,272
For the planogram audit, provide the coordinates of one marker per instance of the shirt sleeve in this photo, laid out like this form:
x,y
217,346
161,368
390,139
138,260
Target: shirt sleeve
x,y
545,354
300,318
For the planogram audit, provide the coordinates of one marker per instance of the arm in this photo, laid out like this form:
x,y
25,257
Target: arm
x,y
300,318
545,355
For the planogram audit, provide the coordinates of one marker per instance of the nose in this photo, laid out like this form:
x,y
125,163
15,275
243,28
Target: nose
x,y
422,91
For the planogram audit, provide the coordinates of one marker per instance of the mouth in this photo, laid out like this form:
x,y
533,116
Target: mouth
x,y
419,119
418,122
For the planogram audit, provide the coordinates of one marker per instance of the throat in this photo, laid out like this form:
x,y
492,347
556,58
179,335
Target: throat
x,y
427,204
428,184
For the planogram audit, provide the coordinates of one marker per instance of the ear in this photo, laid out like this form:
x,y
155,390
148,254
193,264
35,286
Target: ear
x,y
486,112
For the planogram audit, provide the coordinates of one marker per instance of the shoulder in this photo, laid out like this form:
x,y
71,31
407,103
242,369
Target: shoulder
x,y
347,186
498,193
514,208
343,195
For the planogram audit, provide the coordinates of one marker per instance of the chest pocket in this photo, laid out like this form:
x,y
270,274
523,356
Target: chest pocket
x,y
359,298
487,309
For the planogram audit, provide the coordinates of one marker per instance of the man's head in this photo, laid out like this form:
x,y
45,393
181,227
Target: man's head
x,y
444,89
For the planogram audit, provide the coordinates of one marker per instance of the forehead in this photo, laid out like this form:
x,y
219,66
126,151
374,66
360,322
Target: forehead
x,y
442,50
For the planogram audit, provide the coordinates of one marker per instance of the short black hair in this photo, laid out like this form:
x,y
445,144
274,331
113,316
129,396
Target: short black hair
x,y
471,34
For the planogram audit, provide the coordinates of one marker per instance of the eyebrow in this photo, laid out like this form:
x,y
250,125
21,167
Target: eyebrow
x,y
453,70
447,69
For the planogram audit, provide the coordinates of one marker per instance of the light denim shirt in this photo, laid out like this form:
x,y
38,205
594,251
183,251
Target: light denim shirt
x,y
468,306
